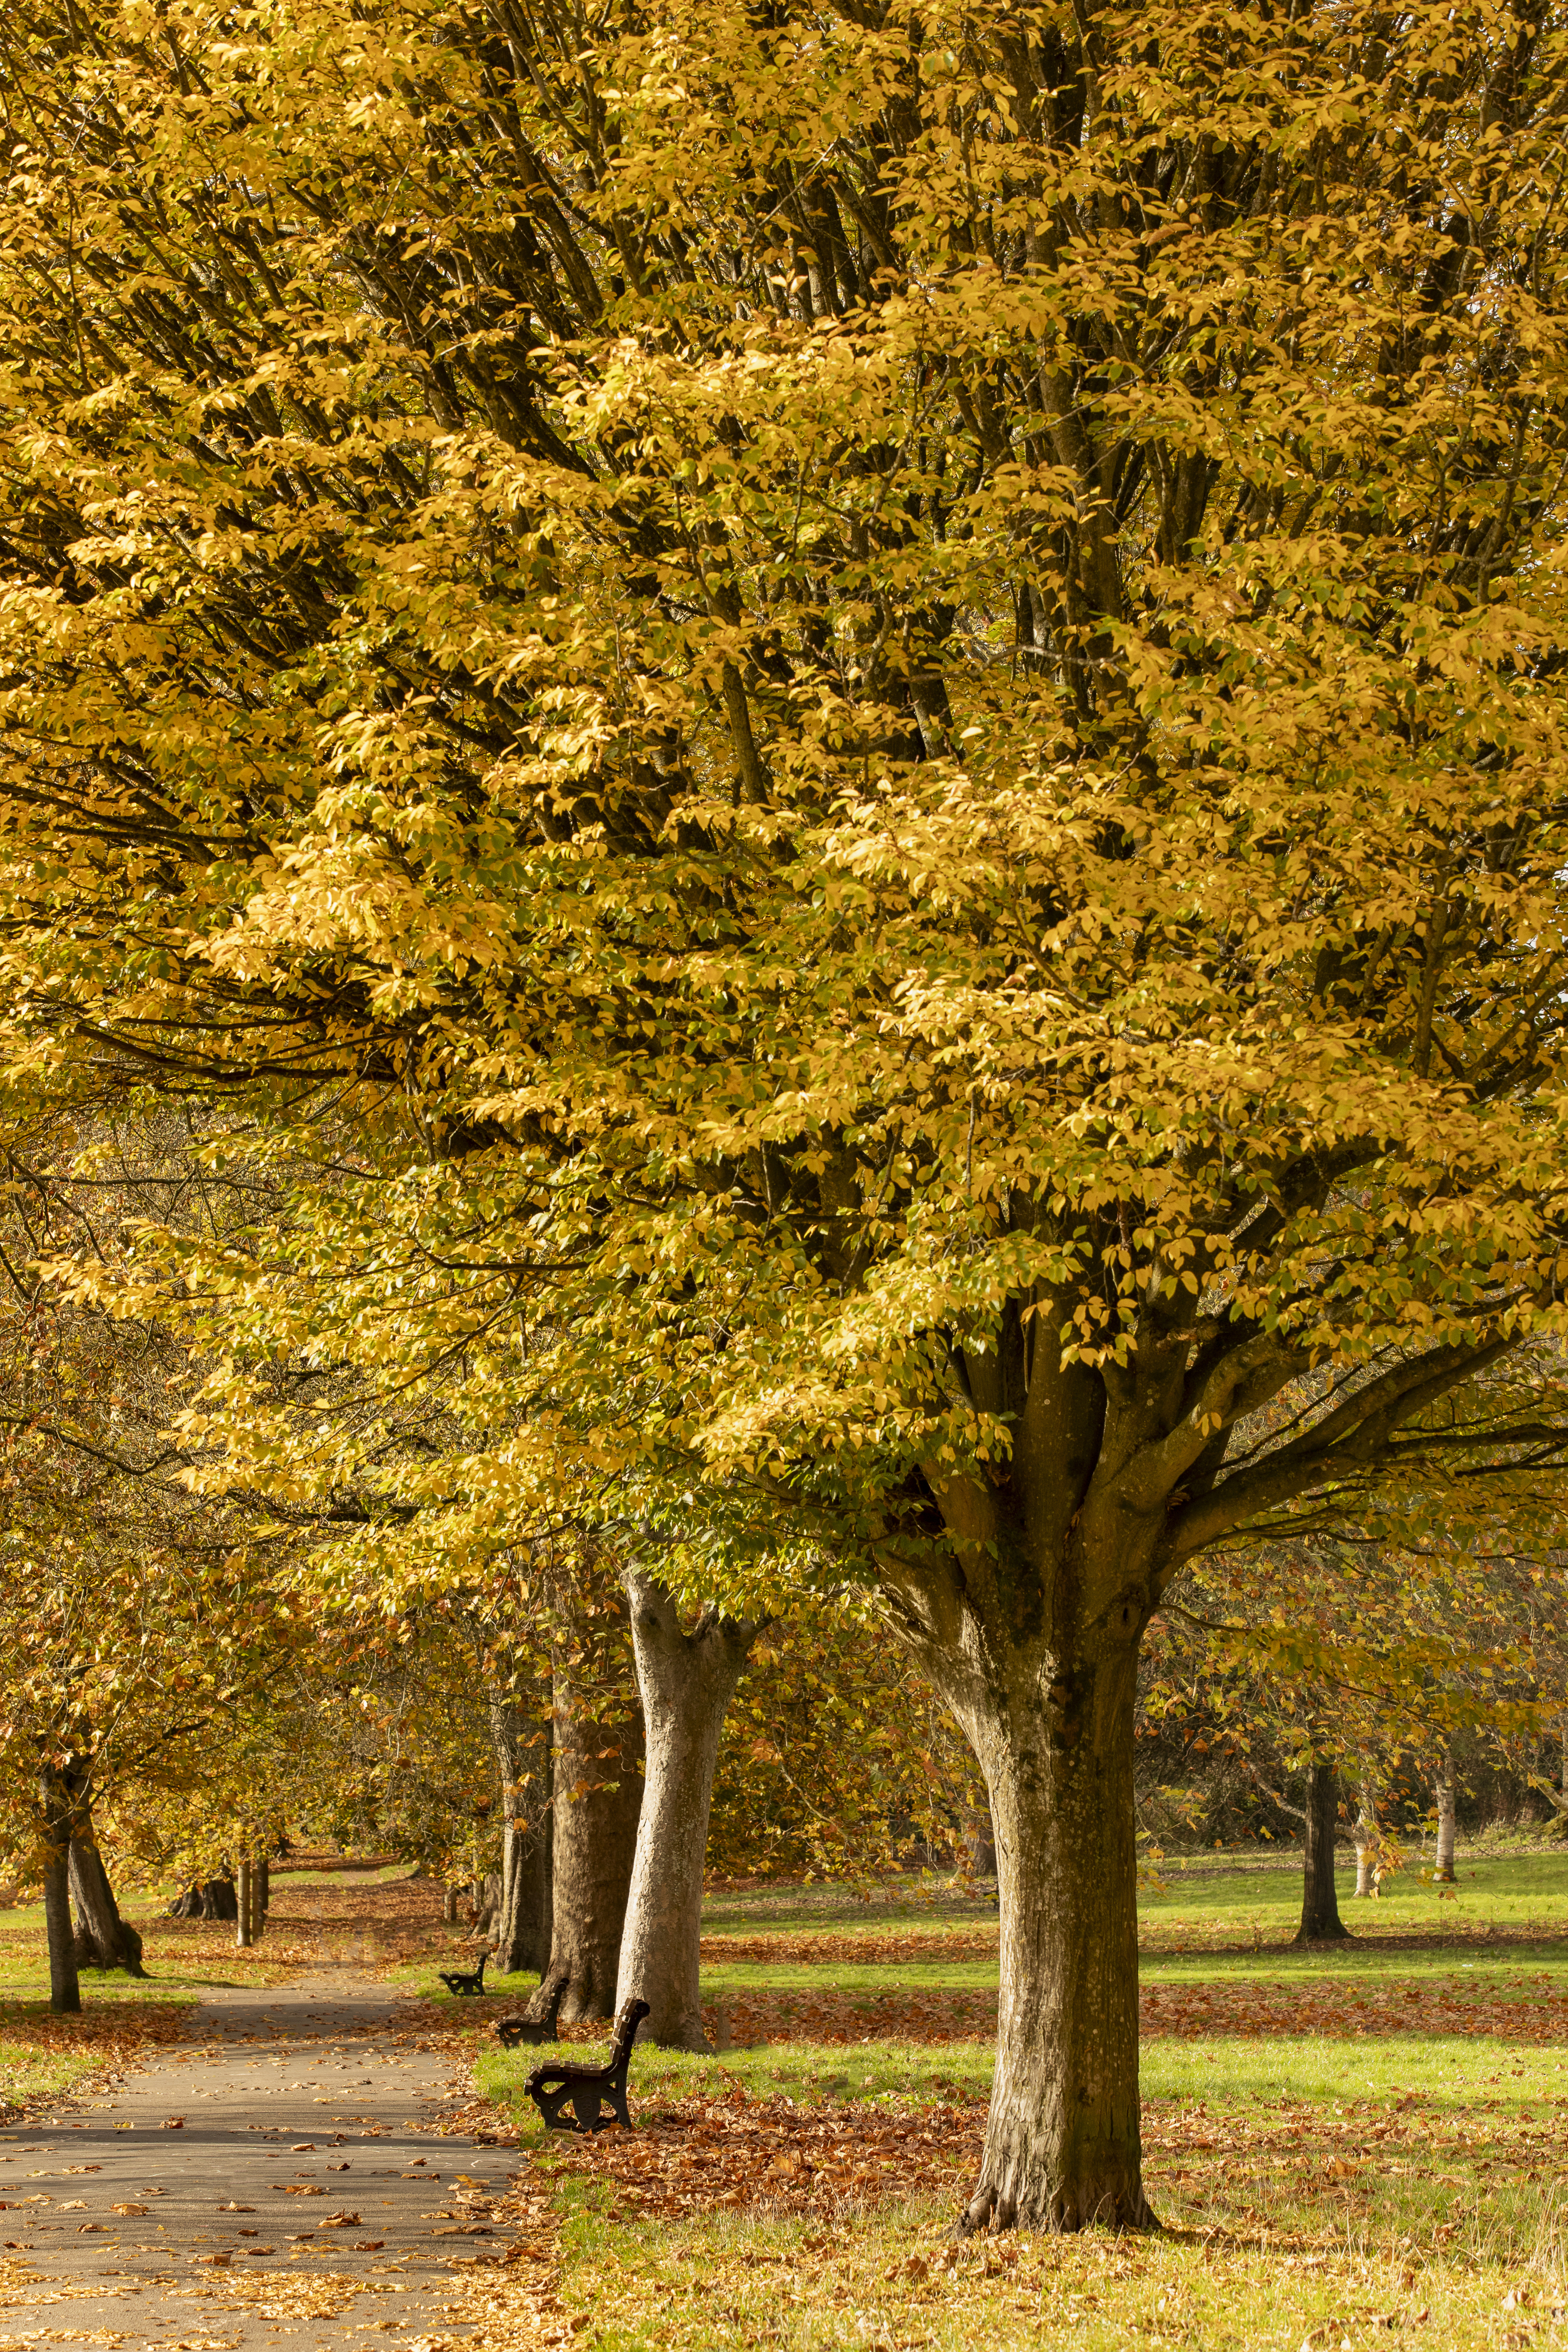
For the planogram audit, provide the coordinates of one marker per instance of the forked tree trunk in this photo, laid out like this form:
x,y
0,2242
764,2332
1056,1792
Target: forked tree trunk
x,y
57,1808
520,1737
686,1682
598,1796
103,1939
1062,2140
1321,1922
1443,1867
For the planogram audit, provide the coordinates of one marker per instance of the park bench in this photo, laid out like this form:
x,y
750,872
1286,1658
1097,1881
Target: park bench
x,y
587,2090
461,1980
510,2031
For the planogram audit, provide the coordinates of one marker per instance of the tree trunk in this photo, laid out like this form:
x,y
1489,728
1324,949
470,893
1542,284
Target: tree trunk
x,y
686,1682
241,1905
1321,1922
449,1908
103,1939
521,1735
1366,1842
1443,1867
56,1807
1062,2140
598,1797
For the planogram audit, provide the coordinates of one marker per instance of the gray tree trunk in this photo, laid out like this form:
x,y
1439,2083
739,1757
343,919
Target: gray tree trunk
x,y
103,1939
242,1904
57,1808
521,1736
1321,1922
598,1797
686,1682
1443,1867
1366,1841
1063,2147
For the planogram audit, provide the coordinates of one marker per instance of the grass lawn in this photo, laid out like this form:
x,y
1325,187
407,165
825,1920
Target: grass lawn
x,y
1340,2143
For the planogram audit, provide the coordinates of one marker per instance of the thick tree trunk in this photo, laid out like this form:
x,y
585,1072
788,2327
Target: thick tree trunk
x,y
521,1736
56,1808
598,1796
1443,1867
103,1939
1321,1922
686,1682
242,1904
1062,2140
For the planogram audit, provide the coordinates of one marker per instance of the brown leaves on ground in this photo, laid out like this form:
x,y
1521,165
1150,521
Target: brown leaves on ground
x,y
110,2029
113,2036
367,1920
868,1950
771,2157
696,2155
1533,2009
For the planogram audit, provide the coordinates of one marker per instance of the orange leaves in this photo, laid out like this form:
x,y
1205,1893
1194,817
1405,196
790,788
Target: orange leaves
x,y
695,2155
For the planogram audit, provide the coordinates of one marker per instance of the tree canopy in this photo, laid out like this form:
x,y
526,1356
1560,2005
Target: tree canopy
x,y
883,684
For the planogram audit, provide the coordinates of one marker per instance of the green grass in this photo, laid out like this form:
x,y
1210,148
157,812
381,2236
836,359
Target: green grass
x,y
1324,2179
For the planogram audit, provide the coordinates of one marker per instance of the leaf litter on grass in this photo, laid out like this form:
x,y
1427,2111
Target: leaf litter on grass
x,y
1533,2010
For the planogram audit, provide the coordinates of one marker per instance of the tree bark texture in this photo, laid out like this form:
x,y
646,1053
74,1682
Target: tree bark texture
x,y
685,1681
1321,1922
103,1939
1366,1842
1443,1867
1063,2146
598,1797
521,1736
57,1808
1032,1637
241,1905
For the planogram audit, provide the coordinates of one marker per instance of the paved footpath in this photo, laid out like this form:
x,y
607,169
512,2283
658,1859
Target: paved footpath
x,y
274,2180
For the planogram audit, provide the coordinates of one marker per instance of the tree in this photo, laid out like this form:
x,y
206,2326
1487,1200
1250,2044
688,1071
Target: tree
x,y
686,1681
902,667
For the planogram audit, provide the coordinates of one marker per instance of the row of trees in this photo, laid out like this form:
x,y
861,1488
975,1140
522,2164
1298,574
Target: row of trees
x,y
831,740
